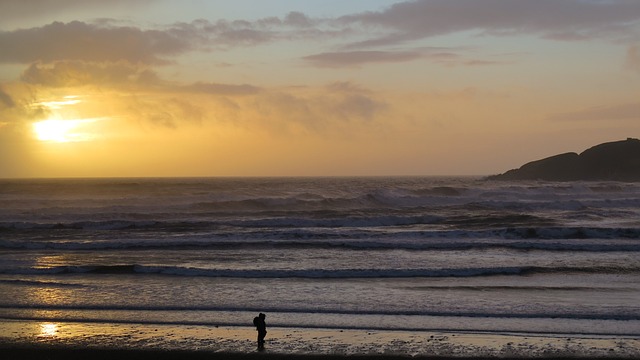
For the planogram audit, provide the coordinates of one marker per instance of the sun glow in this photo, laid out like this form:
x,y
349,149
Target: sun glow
x,y
63,130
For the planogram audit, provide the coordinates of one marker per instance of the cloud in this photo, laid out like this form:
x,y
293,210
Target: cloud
x,y
298,19
438,55
559,20
79,73
347,87
337,107
12,10
121,75
355,106
357,58
224,33
19,106
168,111
235,33
5,100
88,42
222,89
628,111
567,20
106,41
404,21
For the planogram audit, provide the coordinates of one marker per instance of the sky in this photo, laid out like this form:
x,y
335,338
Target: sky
x,y
93,88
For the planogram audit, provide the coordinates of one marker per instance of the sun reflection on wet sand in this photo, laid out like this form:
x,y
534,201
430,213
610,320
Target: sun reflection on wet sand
x,y
48,330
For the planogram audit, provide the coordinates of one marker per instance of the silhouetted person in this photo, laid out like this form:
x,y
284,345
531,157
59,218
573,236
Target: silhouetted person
x,y
261,326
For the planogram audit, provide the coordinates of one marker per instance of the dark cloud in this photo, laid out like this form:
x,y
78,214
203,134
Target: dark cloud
x,y
629,111
86,42
560,20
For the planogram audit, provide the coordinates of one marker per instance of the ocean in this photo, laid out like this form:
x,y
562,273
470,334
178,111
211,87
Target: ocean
x,y
447,254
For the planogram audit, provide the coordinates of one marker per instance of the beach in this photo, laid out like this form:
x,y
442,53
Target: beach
x,y
34,339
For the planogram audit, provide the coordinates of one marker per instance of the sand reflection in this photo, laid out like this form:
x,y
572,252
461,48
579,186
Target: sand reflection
x,y
48,330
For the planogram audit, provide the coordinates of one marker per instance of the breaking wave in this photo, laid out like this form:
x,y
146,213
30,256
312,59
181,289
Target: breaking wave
x,y
131,269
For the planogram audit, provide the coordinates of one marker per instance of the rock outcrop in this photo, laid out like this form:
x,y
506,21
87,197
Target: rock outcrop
x,y
615,161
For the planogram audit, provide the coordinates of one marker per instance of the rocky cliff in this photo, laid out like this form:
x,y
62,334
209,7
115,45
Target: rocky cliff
x,y
616,161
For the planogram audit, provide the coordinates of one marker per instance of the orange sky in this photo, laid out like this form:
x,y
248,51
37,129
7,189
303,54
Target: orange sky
x,y
311,87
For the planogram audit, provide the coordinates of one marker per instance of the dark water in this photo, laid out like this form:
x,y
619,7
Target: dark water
x,y
359,253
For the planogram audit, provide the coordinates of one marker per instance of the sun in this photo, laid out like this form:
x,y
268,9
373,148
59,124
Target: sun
x,y
62,126
62,131
54,130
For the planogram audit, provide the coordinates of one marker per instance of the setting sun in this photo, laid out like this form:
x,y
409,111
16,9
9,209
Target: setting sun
x,y
62,130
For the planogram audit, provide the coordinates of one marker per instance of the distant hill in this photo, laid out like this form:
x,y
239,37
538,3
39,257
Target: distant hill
x,y
616,161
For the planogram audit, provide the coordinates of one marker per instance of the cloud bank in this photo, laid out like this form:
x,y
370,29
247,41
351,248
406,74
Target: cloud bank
x,y
552,19
406,21
89,42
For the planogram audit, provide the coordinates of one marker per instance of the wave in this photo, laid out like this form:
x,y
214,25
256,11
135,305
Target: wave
x,y
417,238
221,196
479,288
339,244
104,225
133,269
262,221
384,202
316,311
47,284
474,218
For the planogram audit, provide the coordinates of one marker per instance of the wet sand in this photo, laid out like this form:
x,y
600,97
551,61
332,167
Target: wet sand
x,y
30,339
95,354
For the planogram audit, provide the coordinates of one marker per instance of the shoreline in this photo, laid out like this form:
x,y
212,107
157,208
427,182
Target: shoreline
x,y
21,339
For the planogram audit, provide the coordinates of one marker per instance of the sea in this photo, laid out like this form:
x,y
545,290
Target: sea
x,y
447,254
